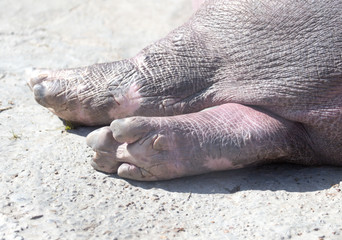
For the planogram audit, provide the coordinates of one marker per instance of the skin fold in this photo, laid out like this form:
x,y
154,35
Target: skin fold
x,y
241,83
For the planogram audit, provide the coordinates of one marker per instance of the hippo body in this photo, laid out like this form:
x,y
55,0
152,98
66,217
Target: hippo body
x,y
241,83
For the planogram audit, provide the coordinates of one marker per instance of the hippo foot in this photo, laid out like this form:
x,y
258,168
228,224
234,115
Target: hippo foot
x,y
151,148
93,95
225,137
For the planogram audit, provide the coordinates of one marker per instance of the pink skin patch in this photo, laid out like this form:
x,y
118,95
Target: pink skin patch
x,y
218,164
127,104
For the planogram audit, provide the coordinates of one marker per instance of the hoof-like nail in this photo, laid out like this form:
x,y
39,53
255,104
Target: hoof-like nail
x,y
161,143
36,76
102,140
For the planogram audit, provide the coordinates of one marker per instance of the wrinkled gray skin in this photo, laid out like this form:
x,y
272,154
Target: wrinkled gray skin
x,y
241,83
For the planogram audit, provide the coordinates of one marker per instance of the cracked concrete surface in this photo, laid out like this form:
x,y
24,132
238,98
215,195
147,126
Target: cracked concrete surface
x,y
48,189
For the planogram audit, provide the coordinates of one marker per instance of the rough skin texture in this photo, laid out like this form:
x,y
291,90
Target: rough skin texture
x,y
241,83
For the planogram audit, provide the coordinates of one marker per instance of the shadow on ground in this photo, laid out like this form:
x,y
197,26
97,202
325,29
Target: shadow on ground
x,y
274,177
82,131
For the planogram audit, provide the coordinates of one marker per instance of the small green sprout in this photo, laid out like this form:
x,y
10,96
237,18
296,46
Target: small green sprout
x,y
14,136
68,125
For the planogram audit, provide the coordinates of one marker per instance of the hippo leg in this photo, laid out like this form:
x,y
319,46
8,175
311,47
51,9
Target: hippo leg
x,y
228,136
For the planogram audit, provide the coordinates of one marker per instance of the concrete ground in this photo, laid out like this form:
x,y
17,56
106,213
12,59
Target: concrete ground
x,y
48,189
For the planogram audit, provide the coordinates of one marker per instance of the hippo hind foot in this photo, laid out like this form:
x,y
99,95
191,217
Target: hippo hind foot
x,y
224,137
93,95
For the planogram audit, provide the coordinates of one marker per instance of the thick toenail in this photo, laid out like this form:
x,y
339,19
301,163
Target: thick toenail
x,y
102,140
117,127
39,93
36,76
129,130
95,166
91,139
161,143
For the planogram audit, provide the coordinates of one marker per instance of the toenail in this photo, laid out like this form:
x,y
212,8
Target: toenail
x,y
38,91
36,80
43,76
161,143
